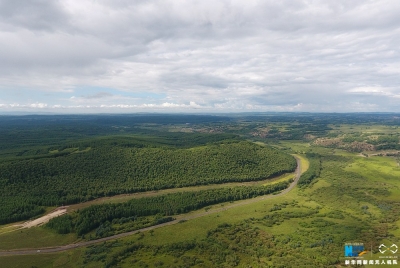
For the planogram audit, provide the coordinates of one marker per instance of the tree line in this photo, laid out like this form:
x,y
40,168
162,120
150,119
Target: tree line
x,y
94,216
313,171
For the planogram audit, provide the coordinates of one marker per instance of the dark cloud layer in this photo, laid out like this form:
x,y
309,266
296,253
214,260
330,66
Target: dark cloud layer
x,y
290,55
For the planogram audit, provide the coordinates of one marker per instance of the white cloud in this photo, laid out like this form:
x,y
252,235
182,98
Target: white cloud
x,y
230,55
38,105
371,89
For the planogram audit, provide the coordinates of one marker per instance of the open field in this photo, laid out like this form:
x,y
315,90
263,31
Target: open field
x,y
382,171
9,228
34,238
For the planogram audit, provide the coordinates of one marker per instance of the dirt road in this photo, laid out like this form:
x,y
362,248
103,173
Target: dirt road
x,y
177,220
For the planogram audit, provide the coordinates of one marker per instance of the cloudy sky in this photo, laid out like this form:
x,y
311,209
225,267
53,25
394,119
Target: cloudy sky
x,y
81,56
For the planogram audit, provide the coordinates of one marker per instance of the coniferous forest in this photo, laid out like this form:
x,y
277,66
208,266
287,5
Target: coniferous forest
x,y
82,169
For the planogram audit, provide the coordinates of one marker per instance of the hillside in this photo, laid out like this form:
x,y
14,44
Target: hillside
x,y
125,165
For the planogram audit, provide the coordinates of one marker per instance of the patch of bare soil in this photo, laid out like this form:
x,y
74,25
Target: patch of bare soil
x,y
354,146
360,146
45,219
328,142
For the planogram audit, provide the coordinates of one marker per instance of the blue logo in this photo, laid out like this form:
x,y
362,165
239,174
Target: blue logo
x,y
353,250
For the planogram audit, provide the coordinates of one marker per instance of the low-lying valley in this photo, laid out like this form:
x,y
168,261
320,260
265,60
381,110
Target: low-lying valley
x,y
262,190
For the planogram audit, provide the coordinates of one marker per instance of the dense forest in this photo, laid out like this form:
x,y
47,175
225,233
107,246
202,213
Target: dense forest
x,y
116,165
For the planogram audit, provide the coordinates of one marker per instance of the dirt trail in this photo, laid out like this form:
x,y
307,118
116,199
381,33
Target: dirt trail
x,y
45,219
182,217
39,221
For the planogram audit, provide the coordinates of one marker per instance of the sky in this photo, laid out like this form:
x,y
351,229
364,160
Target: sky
x,y
128,56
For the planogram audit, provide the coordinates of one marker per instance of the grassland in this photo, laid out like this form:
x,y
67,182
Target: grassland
x,y
34,237
65,259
